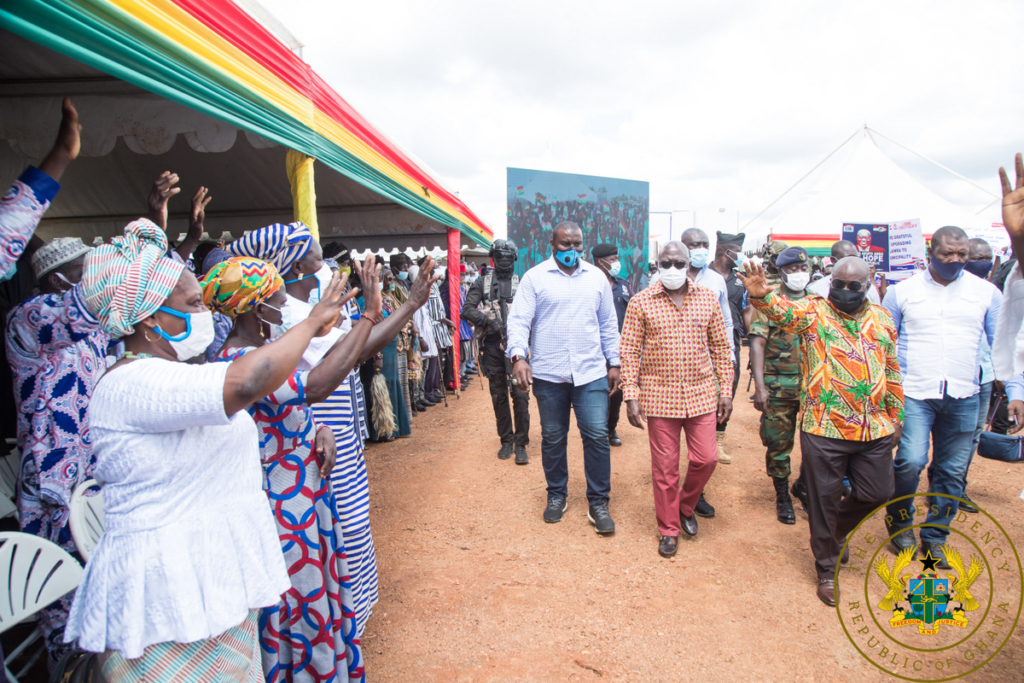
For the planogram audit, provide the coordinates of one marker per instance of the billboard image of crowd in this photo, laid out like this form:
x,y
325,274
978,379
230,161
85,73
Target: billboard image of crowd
x,y
606,209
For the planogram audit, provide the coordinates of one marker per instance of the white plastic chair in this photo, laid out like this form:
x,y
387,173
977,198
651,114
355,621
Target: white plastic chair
x,y
33,573
87,518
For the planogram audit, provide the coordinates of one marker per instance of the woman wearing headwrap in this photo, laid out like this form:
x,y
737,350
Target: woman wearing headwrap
x,y
310,634
190,551
391,368
299,259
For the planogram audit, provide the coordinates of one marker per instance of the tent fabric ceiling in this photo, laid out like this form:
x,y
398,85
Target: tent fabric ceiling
x,y
130,136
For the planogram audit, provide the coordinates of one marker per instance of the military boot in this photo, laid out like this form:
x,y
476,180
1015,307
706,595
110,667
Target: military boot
x,y
723,457
783,503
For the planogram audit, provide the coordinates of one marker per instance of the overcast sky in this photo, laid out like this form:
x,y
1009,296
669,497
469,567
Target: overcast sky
x,y
716,104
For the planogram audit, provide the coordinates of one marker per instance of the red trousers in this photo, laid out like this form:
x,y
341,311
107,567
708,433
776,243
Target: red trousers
x,y
669,501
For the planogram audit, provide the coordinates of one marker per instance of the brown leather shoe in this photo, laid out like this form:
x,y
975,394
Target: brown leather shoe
x,y
827,591
668,545
689,525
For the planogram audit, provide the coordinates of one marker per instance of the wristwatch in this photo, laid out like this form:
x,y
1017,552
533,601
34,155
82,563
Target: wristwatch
x,y
516,359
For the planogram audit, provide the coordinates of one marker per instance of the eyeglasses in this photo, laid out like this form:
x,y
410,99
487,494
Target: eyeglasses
x,y
852,285
678,265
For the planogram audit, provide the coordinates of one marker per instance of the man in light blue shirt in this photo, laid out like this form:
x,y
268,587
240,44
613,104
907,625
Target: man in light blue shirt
x,y
564,316
941,314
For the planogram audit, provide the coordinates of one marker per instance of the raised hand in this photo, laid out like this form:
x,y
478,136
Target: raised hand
x,y
754,280
369,275
420,290
332,300
67,145
163,189
1013,206
195,224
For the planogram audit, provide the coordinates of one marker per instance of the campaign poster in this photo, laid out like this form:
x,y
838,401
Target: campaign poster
x,y
872,242
606,209
906,249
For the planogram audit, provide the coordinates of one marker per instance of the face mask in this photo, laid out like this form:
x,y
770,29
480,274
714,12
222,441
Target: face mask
x,y
414,272
699,258
947,271
979,268
672,278
344,270
198,334
845,300
403,275
797,281
737,259
323,278
380,286
277,330
615,269
569,259
70,284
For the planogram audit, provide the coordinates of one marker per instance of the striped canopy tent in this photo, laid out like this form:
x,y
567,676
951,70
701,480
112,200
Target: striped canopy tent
x,y
861,184
205,90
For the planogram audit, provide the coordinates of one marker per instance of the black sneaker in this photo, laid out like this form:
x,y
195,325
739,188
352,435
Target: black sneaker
x,y
521,457
903,540
613,438
556,506
506,451
703,508
599,517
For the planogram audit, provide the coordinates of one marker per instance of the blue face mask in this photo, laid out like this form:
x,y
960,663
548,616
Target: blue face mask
x,y
947,271
738,258
979,268
699,257
403,275
569,259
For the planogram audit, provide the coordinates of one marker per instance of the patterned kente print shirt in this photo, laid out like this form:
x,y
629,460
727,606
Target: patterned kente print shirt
x,y
675,359
852,386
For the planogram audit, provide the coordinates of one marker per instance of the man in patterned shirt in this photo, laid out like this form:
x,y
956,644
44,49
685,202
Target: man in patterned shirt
x,y
852,410
674,349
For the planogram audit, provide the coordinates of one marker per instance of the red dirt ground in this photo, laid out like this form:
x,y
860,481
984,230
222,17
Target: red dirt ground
x,y
476,587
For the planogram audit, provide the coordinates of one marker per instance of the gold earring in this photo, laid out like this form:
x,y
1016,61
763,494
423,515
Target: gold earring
x,y
145,333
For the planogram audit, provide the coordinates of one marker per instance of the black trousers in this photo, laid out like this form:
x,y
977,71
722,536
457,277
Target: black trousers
x,y
735,374
492,364
614,407
825,462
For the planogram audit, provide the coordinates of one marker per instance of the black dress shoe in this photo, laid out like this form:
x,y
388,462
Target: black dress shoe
x,y
827,591
935,550
799,491
667,546
521,457
599,517
689,525
556,506
703,508
968,504
902,541
613,438
420,407
506,451
845,559
783,503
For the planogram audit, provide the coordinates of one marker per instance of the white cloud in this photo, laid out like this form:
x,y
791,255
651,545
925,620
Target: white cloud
x,y
715,103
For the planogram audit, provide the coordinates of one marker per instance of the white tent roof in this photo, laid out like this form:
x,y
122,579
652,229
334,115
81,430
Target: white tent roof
x,y
863,185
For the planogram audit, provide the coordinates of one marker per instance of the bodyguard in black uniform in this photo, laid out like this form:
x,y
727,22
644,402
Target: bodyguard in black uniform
x,y
606,257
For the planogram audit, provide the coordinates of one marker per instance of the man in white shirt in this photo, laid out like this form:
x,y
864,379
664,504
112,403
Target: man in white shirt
x,y
840,250
942,314
564,315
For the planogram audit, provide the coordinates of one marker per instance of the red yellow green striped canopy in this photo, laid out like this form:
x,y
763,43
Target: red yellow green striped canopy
x,y
213,57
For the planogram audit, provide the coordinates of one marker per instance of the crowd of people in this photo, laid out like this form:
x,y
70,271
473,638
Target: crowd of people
x,y
223,396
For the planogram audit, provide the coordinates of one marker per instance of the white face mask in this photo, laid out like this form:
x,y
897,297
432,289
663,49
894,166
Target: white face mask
x,y
323,278
198,334
414,272
615,269
796,282
276,330
672,278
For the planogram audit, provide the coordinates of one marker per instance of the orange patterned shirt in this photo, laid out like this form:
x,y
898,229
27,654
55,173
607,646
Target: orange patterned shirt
x,y
852,386
675,359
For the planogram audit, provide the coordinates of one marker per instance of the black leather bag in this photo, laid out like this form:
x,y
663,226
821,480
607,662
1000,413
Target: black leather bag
x,y
1002,447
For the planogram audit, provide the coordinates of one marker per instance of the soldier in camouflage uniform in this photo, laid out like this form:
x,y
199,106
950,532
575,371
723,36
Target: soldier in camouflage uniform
x,y
775,365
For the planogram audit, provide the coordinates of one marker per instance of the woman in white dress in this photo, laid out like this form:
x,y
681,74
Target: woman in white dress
x,y
190,552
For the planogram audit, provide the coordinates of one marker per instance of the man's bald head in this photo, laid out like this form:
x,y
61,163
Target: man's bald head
x,y
852,268
842,249
695,238
674,251
564,229
979,250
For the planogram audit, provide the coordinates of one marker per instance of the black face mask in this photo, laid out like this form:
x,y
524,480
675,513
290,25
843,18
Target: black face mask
x,y
504,263
846,301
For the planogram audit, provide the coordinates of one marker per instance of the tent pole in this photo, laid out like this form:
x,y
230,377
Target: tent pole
x,y
455,299
300,178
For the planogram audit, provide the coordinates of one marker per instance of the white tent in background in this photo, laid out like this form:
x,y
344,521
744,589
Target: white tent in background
x,y
861,185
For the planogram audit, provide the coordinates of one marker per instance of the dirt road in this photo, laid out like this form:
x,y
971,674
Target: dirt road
x,y
476,587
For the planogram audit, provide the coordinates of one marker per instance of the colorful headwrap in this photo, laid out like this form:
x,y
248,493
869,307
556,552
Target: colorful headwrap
x,y
213,258
236,285
279,244
127,280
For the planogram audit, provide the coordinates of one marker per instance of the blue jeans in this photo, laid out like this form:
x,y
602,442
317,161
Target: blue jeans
x,y
948,423
590,403
984,398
